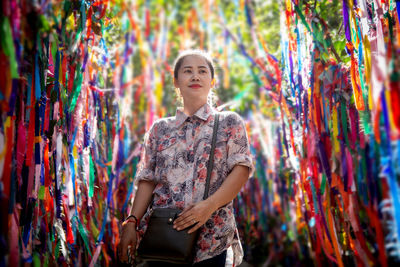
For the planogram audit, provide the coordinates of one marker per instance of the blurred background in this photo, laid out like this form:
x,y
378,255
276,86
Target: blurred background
x,y
317,83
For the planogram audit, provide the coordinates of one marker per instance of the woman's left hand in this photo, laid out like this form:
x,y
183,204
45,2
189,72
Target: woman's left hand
x,y
195,215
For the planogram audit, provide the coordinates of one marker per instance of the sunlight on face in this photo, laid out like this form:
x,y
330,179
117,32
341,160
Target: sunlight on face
x,y
194,79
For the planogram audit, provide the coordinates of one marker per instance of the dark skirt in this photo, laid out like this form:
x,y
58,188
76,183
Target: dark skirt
x,y
217,261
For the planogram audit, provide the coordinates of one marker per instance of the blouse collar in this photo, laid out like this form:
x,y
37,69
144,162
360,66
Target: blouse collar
x,y
202,113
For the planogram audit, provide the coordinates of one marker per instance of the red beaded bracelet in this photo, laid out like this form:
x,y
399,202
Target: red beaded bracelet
x,y
131,218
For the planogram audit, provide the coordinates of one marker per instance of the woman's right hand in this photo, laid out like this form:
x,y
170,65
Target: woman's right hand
x,y
128,235
127,243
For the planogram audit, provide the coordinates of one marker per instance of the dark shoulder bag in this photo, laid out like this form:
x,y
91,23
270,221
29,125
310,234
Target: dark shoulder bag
x,y
161,242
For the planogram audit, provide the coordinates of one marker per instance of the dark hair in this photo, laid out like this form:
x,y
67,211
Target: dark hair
x,y
200,53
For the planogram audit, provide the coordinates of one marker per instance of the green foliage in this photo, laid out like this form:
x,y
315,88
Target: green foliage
x,y
330,11
268,14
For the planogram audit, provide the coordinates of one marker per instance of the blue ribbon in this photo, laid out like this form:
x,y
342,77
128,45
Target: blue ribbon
x,y
109,194
387,167
38,92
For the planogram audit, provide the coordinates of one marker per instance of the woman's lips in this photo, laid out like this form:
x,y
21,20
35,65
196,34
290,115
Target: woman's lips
x,y
195,86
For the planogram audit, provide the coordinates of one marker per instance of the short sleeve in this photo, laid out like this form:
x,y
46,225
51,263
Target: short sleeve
x,y
147,165
238,147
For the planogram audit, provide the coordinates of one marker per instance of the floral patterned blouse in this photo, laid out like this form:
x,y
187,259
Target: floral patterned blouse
x,y
175,156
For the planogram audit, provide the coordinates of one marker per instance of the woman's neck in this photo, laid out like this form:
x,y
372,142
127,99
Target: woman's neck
x,y
190,109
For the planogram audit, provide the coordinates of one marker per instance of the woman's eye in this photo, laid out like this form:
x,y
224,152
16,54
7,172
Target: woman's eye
x,y
187,71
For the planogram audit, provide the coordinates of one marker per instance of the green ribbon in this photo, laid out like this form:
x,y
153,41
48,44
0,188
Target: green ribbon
x,y
83,233
36,260
91,177
344,123
303,19
365,118
77,87
41,192
314,194
7,45
57,250
323,184
54,46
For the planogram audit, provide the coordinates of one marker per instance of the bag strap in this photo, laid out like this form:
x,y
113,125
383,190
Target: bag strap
x,y
211,159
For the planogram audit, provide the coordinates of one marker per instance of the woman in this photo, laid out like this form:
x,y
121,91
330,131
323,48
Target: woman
x,y
173,167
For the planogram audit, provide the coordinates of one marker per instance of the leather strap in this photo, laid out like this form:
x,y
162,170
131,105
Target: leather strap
x,y
210,164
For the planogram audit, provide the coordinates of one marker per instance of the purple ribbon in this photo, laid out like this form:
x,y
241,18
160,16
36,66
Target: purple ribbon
x,y
346,20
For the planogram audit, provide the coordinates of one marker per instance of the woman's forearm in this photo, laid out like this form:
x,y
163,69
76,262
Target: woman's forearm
x,y
142,199
199,213
229,188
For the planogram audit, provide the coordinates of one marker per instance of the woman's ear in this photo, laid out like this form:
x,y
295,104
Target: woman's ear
x,y
174,81
212,82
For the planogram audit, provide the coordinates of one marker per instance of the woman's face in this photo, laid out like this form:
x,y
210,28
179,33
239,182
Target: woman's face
x,y
194,79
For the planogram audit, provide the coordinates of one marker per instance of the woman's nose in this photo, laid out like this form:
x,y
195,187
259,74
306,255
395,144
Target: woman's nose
x,y
195,77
